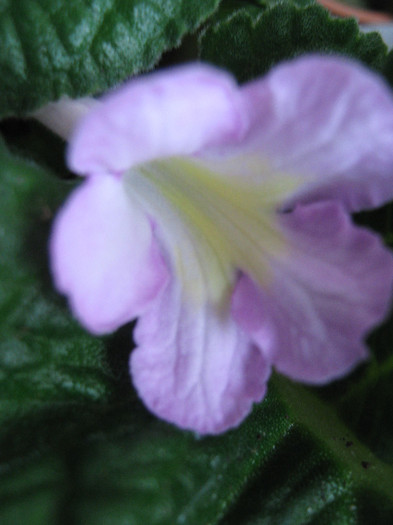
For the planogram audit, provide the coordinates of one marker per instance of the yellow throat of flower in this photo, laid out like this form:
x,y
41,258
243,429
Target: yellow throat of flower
x,y
213,225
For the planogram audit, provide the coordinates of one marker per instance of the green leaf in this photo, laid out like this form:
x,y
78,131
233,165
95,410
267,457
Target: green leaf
x,y
321,473
32,492
249,41
293,452
388,69
364,401
297,3
51,48
292,462
45,357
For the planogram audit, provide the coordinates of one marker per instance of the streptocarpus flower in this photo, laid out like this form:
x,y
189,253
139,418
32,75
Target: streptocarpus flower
x,y
219,216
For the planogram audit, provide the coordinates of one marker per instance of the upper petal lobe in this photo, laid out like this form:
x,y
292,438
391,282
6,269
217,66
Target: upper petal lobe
x,y
330,121
172,112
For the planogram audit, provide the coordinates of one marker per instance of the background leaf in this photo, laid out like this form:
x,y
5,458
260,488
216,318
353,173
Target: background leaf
x,y
51,48
45,357
249,41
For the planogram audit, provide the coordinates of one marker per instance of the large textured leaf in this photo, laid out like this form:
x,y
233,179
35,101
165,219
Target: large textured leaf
x,y
248,41
320,473
77,47
294,457
45,358
292,462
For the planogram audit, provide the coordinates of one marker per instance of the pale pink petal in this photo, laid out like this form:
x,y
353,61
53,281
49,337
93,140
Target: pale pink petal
x,y
332,286
194,367
330,121
104,256
172,112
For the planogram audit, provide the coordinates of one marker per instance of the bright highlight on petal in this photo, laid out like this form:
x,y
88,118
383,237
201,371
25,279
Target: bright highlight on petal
x,y
218,215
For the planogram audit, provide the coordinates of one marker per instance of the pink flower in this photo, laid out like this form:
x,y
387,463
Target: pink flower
x,y
219,215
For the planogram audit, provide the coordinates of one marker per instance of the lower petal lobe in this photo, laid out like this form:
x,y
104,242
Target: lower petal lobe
x,y
195,367
328,292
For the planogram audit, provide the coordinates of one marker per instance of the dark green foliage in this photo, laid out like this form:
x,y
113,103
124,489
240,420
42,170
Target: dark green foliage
x,y
249,41
51,48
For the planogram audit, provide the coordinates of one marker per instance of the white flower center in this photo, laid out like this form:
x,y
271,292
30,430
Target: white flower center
x,y
212,225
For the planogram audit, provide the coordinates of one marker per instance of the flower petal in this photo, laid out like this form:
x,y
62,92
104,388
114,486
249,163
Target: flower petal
x,y
332,287
104,256
169,113
329,121
195,367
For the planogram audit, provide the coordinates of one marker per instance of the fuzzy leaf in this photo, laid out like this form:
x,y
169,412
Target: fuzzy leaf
x,y
77,47
249,41
45,357
292,462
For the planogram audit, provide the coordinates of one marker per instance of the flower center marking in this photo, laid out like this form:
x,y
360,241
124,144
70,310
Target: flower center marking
x,y
213,224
